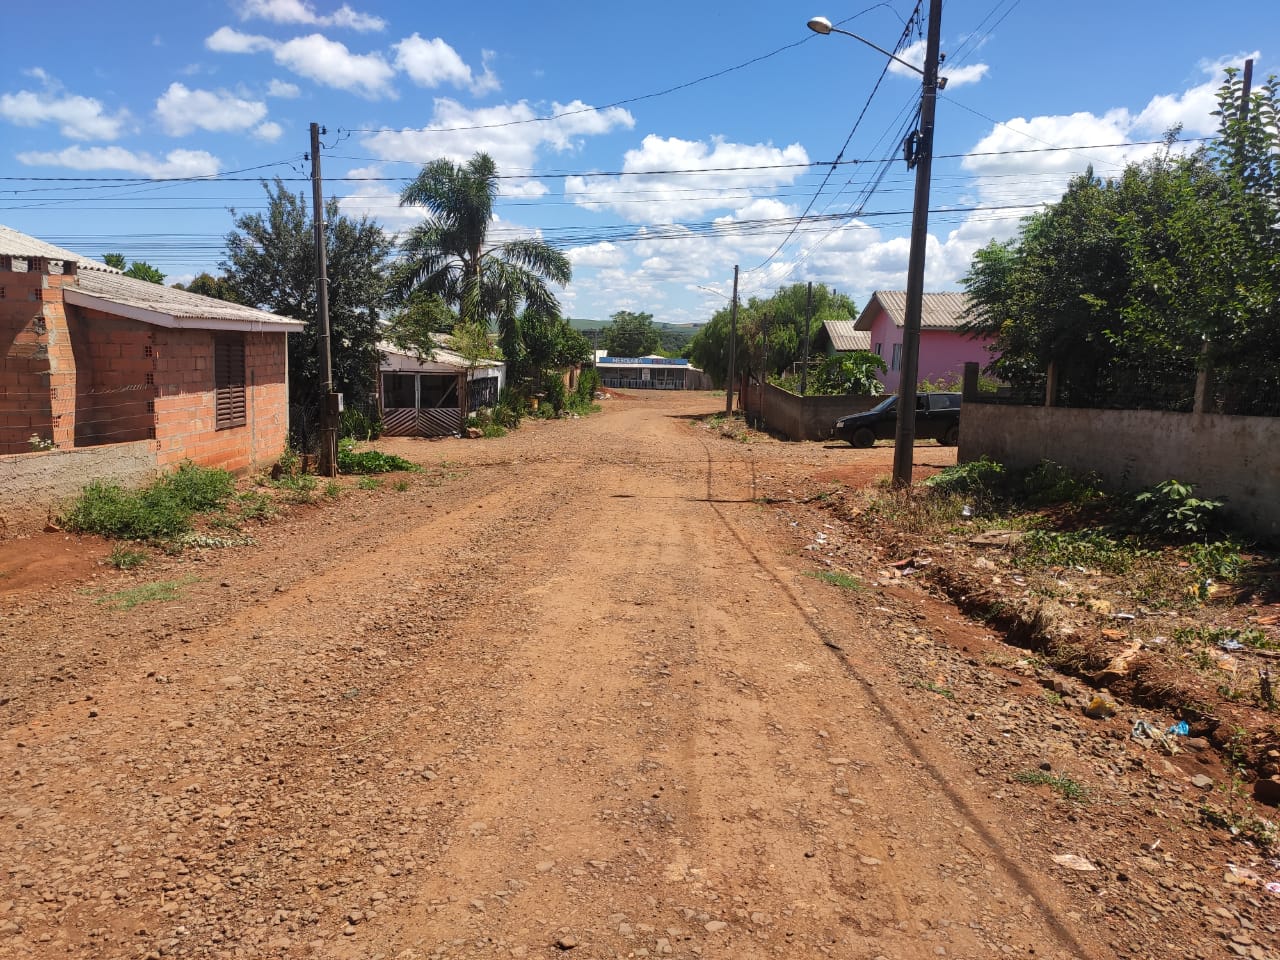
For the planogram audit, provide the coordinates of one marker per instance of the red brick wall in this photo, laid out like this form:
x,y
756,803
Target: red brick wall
x,y
185,424
115,385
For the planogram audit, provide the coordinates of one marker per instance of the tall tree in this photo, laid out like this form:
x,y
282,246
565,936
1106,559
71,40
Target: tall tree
x,y
450,255
139,269
270,264
631,335
207,285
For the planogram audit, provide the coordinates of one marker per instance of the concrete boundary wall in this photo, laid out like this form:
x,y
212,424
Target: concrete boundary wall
x,y
1234,458
801,418
34,486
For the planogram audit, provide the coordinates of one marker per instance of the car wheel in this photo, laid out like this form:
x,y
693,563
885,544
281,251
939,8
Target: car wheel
x,y
951,437
862,438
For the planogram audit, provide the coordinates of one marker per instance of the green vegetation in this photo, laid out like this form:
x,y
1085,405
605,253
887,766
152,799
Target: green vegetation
x,y
935,688
160,511
1086,548
982,475
332,490
1170,510
1061,783
254,505
369,461
841,374
368,483
837,579
1201,636
297,487
126,558
161,591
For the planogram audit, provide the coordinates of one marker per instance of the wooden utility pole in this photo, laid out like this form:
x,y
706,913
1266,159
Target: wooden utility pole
x,y
904,445
733,344
329,402
808,325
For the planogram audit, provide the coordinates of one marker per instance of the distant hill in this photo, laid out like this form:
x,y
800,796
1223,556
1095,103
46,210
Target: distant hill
x,y
675,336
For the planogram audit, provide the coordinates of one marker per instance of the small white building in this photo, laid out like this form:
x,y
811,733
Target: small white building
x,y
648,373
425,398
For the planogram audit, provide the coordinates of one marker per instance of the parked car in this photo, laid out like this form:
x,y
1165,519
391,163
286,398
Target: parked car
x,y
937,418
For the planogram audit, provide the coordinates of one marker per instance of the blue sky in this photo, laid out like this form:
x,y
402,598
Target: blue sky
x,y
222,89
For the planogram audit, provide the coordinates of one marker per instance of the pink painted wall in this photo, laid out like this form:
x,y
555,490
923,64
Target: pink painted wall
x,y
943,353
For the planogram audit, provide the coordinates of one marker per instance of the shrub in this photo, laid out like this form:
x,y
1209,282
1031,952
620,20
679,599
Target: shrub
x,y
124,558
199,488
107,509
1170,510
1049,483
588,384
977,475
369,461
1086,548
359,425
554,393
297,487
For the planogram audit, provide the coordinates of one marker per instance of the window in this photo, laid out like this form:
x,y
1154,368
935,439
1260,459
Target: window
x,y
879,349
896,362
228,380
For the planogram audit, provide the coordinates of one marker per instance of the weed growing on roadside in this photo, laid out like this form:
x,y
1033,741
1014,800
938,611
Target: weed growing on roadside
x,y
368,483
837,579
126,558
253,505
400,486
297,487
1169,509
935,688
159,592
369,461
976,475
1061,783
332,489
1217,636
1053,697
1085,548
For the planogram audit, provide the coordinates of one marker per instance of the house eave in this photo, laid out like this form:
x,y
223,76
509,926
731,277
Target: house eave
x,y
159,318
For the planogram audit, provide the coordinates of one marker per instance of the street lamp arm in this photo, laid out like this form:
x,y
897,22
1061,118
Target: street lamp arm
x,y
824,26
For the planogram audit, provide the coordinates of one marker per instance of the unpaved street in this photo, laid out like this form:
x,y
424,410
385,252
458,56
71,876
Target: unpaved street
x,y
573,694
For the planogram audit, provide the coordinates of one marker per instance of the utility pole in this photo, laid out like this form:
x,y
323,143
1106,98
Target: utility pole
x,y
733,343
330,403
808,324
904,445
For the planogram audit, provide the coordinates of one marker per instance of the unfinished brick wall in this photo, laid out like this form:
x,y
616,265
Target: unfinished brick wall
x,y
37,369
185,411
115,384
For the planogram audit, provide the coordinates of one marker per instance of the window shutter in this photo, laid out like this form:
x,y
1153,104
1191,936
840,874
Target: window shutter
x,y
230,404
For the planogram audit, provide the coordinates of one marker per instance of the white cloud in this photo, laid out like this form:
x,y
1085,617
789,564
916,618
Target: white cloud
x,y
176,163
182,110
282,90
299,11
674,196
430,63
510,133
956,76
230,40
269,131
79,118
603,254
330,63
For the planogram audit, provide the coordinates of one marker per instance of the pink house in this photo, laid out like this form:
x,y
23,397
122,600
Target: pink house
x,y
944,349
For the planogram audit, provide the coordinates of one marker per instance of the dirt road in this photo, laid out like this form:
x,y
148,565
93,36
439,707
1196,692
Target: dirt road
x,y
572,693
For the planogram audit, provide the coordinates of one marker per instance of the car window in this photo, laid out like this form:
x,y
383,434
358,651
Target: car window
x,y
946,401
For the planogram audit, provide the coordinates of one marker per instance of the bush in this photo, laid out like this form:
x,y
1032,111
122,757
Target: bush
x,y
1170,510
588,384
107,509
510,409
199,488
370,461
975,476
359,425
554,393
1050,483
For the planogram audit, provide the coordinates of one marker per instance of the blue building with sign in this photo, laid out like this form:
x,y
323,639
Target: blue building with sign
x,y
648,373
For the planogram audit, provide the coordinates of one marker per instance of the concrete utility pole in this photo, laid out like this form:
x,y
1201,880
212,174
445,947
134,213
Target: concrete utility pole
x,y
808,323
904,445
329,404
733,344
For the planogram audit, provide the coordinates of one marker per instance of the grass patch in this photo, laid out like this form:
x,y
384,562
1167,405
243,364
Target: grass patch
x,y
1085,548
161,591
255,505
297,488
400,486
1061,784
842,580
332,489
160,511
1201,637
368,483
126,558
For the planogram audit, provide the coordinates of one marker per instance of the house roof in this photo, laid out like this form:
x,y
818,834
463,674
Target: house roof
x,y
845,337
444,360
104,288
938,311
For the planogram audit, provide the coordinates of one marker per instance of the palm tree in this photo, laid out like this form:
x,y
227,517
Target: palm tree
x,y
447,254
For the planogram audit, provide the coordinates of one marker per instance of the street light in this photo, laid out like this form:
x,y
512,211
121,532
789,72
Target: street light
x,y
904,443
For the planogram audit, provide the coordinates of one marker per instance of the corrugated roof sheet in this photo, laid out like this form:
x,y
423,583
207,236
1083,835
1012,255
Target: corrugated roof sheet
x,y
179,304
149,302
938,311
845,337
20,245
442,355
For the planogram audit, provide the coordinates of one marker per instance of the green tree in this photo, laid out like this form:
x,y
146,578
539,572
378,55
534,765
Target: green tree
x,y
450,255
270,264
207,285
778,319
419,320
139,269
631,335
848,374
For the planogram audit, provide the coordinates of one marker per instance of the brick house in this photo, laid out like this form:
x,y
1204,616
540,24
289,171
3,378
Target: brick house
x,y
91,358
944,346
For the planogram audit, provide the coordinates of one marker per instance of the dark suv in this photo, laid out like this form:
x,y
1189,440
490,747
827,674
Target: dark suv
x,y
937,418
